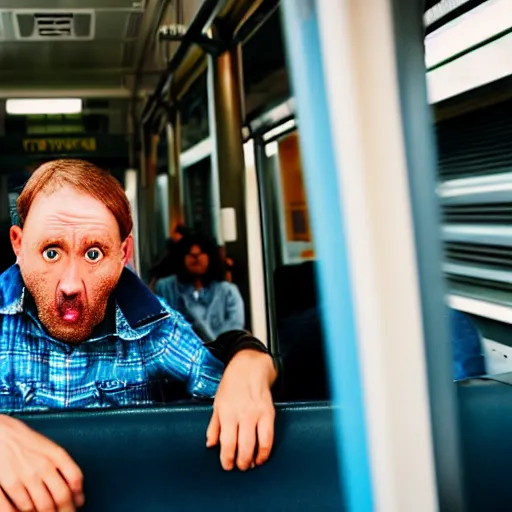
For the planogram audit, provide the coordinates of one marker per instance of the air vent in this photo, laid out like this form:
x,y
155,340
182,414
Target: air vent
x,y
54,25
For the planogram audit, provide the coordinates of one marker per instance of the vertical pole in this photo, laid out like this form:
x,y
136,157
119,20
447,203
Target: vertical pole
x,y
357,53
225,113
144,213
420,150
265,184
151,186
131,178
320,171
4,198
176,214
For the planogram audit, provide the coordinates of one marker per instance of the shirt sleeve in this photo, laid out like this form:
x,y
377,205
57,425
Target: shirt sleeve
x,y
175,350
162,290
235,316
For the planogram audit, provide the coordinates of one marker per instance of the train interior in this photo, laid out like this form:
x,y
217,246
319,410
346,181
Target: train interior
x,y
191,105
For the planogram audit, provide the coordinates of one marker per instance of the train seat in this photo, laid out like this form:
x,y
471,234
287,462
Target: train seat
x,y
156,460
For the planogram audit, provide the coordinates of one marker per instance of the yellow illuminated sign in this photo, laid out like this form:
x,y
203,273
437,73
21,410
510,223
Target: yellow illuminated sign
x,y
59,145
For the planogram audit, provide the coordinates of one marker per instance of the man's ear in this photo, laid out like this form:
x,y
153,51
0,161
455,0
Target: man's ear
x,y
16,235
127,248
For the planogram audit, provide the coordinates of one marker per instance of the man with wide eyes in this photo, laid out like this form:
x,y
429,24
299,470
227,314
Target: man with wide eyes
x,y
79,330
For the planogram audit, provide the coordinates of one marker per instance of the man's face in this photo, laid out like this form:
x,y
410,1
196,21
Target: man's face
x,y
71,257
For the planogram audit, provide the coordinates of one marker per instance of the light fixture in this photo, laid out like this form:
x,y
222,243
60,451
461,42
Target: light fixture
x,y
27,106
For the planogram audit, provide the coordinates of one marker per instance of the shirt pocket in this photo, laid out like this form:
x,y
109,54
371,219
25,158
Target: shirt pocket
x,y
216,322
116,393
103,394
43,397
24,396
11,399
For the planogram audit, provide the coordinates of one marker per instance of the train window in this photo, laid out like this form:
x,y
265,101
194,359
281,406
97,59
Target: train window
x,y
197,181
295,234
195,161
290,257
294,309
194,114
469,76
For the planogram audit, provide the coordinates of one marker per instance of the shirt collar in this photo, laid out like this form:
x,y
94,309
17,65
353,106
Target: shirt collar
x,y
136,308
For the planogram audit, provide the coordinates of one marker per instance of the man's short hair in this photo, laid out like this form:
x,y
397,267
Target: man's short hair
x,y
84,177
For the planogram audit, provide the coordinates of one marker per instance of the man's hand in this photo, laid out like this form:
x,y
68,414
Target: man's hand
x,y
243,411
36,475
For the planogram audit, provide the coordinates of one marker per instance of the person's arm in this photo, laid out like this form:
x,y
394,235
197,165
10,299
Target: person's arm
x,y
35,473
243,411
201,328
166,290
238,371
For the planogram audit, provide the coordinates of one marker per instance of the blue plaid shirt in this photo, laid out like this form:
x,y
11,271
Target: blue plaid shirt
x,y
128,361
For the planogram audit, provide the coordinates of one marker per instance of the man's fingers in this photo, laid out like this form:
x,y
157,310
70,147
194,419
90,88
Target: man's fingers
x,y
265,431
71,473
79,499
41,497
213,430
37,475
18,495
60,492
228,440
6,505
246,444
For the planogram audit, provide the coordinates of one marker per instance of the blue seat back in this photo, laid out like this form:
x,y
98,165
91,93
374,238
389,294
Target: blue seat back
x,y
156,460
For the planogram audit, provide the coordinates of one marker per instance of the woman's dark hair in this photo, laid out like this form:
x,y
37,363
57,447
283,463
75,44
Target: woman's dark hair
x,y
215,271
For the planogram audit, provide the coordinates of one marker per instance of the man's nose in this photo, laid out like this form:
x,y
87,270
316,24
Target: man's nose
x,y
70,282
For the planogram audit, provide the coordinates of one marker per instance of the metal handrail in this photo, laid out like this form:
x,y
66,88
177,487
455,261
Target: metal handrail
x,y
193,34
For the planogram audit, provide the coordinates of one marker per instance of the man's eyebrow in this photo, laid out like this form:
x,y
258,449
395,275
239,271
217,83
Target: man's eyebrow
x,y
95,241
53,241
102,243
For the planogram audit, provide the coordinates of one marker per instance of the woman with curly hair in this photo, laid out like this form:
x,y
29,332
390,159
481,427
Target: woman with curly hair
x,y
199,290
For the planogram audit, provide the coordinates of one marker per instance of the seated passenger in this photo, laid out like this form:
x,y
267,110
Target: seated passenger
x,y
167,265
79,330
198,290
